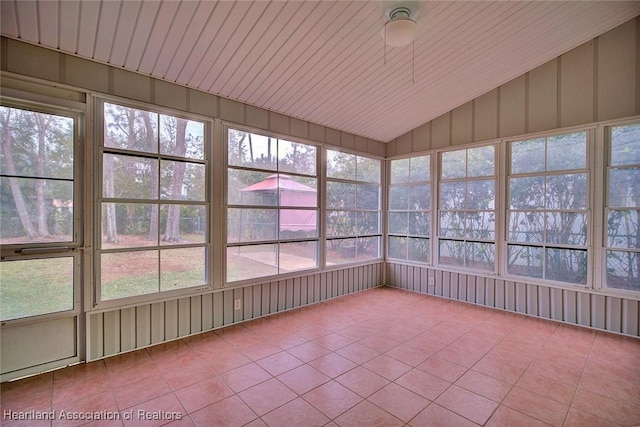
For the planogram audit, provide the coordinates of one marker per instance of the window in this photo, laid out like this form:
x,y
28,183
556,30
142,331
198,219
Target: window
x,y
272,206
548,215
466,230
38,232
153,203
353,231
622,240
410,209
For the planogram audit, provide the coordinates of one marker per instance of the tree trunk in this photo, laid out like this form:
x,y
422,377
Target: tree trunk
x,y
42,124
16,191
151,141
172,230
109,191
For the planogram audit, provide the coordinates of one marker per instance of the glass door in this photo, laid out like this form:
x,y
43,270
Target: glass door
x,y
39,235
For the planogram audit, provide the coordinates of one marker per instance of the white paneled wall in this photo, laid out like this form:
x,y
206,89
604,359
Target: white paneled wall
x,y
577,307
121,330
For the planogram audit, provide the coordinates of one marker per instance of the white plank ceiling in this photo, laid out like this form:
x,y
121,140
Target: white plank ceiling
x,y
321,61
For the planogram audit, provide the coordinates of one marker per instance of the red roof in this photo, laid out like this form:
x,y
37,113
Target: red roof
x,y
285,183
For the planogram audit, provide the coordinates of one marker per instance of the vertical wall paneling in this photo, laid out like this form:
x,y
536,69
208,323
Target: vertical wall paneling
x,y
96,333
462,124
289,293
282,295
446,285
218,309
613,314
441,131
231,315
207,311
184,317
171,319
127,329
273,297
479,294
297,287
247,303
576,86
323,287
471,288
509,295
304,289
521,297
143,325
485,120
512,107
196,314
317,287
543,97
557,304
569,306
410,283
490,293
583,308
531,299
544,302
256,299
265,298
157,323
630,317
111,333
616,72
499,294
598,311
438,283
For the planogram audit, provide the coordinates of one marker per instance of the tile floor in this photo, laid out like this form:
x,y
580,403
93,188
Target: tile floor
x,y
382,357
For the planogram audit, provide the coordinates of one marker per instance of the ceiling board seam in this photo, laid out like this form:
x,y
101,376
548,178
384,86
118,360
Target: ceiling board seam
x,y
59,24
595,79
441,112
331,43
38,23
302,39
135,25
17,13
177,47
244,39
225,46
193,46
146,43
282,46
77,47
95,39
115,31
242,61
164,41
197,67
443,74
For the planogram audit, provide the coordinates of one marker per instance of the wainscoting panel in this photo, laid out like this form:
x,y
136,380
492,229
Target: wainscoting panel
x,y
121,330
579,307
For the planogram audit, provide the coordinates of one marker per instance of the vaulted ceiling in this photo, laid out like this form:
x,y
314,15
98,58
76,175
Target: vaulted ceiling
x,y
321,61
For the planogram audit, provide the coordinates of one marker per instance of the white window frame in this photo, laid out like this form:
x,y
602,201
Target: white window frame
x,y
98,132
381,212
601,259
588,170
437,237
226,206
430,184
71,249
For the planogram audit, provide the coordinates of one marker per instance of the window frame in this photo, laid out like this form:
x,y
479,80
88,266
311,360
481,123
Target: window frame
x,y
382,213
225,244
97,302
605,208
74,248
589,132
388,211
436,203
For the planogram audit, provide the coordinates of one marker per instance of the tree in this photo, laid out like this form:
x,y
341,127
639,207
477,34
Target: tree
x,y
176,128
16,191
